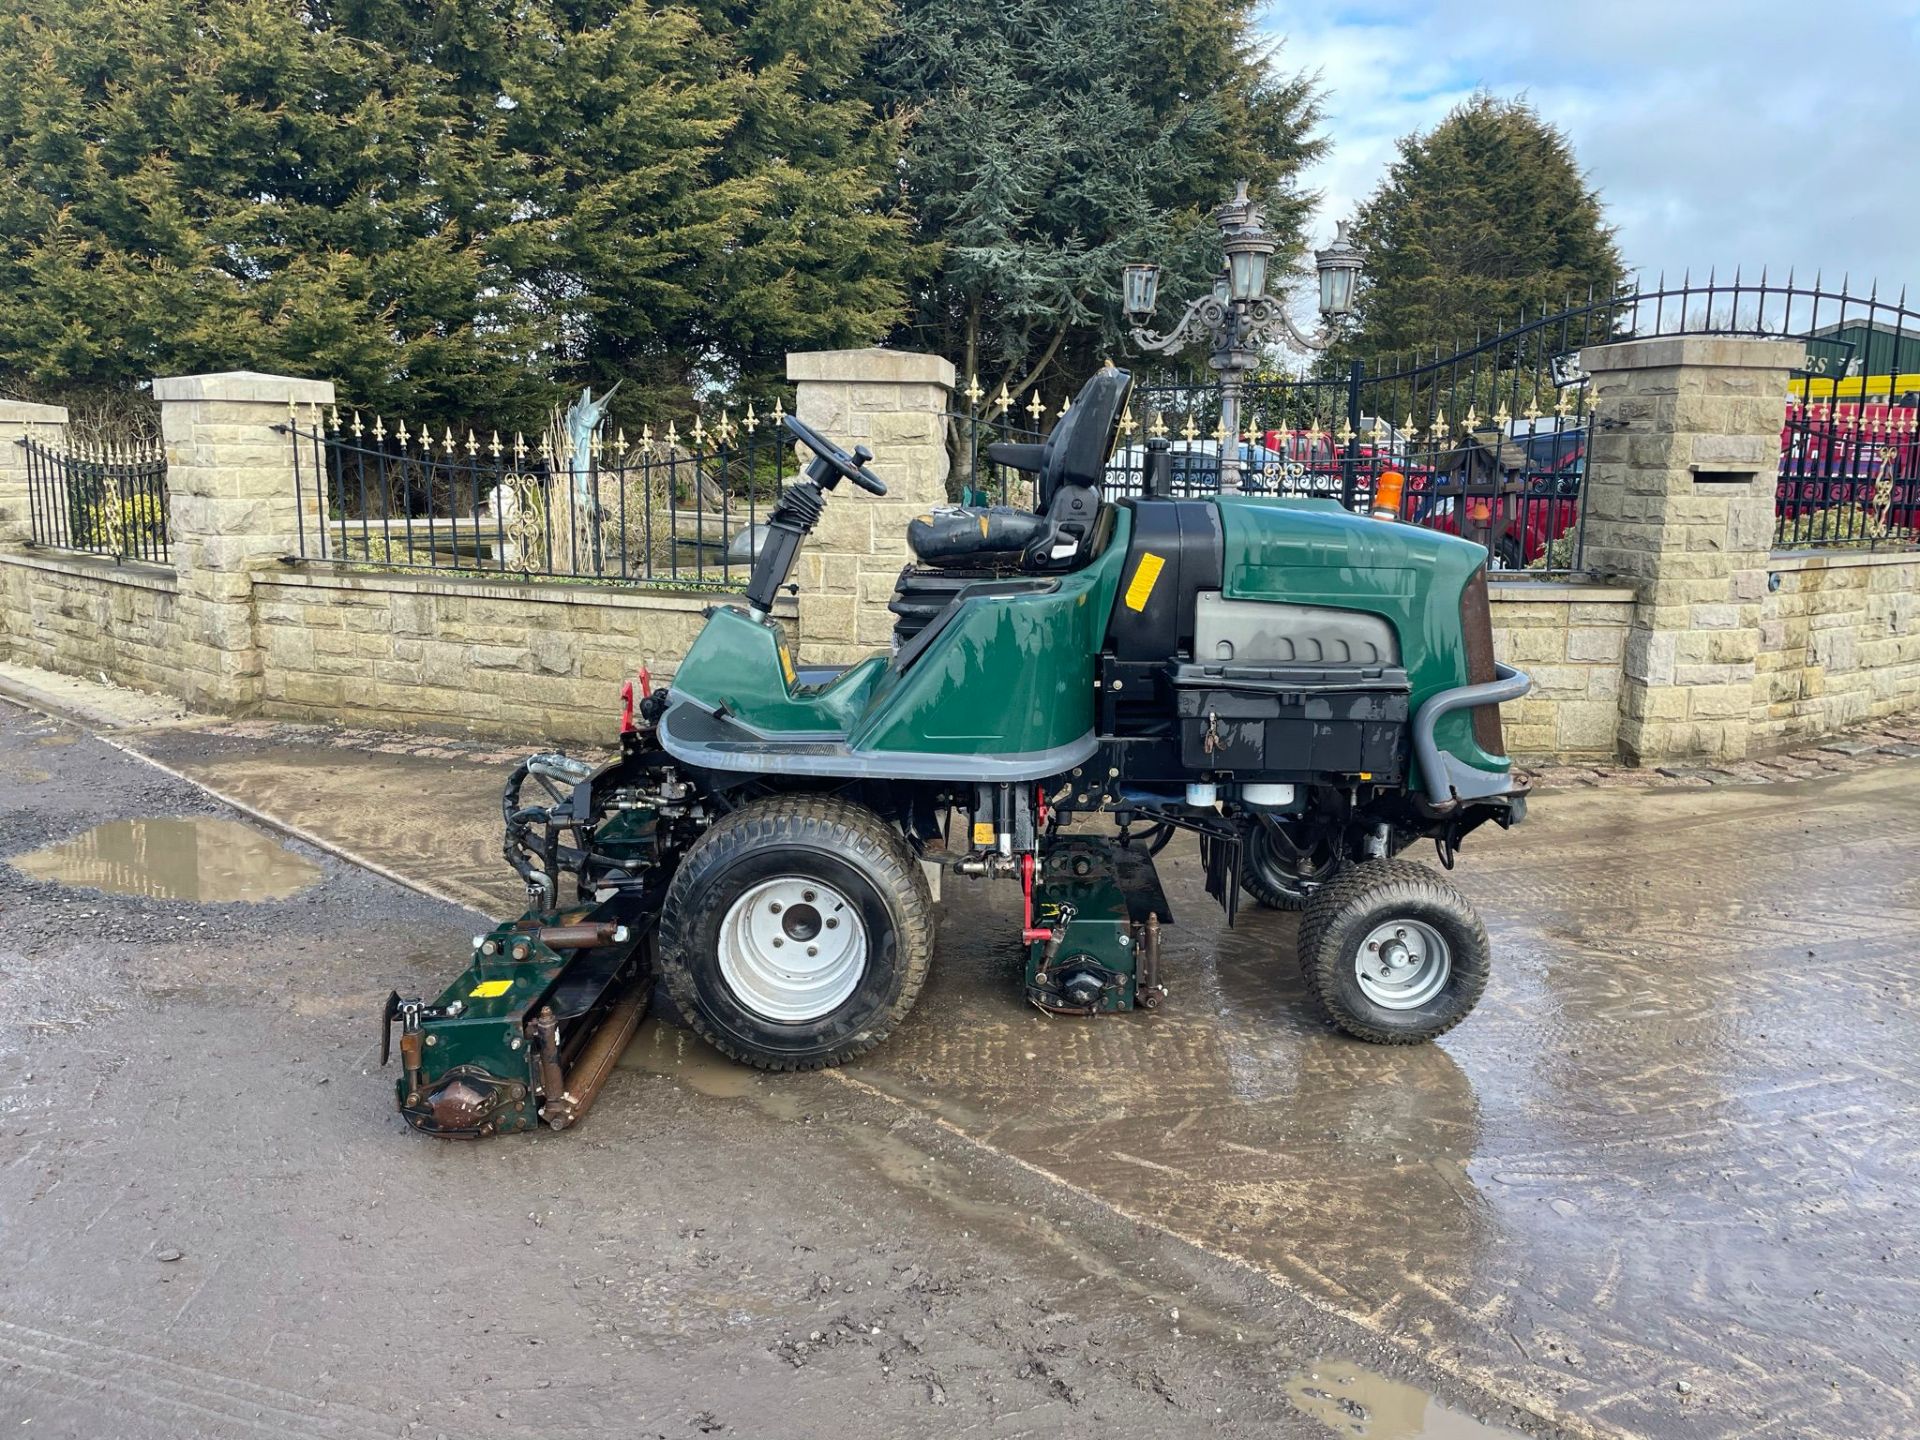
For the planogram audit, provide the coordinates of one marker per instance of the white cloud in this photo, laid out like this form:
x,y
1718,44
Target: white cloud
x,y
1719,133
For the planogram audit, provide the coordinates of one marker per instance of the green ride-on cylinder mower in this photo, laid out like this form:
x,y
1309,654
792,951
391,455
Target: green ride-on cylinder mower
x,y
1303,690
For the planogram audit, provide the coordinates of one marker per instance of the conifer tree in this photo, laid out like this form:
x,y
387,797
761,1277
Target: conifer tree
x,y
455,208
1482,218
1053,141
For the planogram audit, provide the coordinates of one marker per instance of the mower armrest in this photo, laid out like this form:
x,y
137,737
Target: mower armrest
x,y
1448,780
1017,456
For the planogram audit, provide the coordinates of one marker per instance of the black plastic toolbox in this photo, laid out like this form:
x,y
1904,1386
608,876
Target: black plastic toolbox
x,y
1293,722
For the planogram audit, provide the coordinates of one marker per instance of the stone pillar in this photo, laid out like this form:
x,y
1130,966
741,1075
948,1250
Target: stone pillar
x,y
1681,472
895,403
232,509
18,420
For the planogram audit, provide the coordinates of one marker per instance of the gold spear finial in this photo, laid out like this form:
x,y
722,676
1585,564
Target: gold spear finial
x,y
973,392
356,425
1158,428
1037,408
750,422
1189,432
493,445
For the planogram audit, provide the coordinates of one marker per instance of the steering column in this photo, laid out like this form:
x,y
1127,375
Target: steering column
x,y
800,507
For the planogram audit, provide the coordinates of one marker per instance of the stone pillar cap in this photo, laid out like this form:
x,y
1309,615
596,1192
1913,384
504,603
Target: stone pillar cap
x,y
26,412
875,365
244,385
1725,352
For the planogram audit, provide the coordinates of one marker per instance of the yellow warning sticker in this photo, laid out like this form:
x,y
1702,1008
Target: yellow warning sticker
x,y
1140,590
983,832
786,665
489,989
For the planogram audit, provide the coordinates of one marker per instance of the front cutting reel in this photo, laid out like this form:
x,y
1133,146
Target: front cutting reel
x,y
532,1028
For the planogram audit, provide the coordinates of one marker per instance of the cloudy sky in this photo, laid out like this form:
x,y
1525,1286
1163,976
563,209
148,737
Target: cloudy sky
x,y
1717,132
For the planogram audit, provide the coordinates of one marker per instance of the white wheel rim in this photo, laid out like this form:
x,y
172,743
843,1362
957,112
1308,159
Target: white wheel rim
x,y
792,949
1403,964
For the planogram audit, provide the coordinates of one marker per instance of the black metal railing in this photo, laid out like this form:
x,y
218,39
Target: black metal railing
x,y
1509,479
1491,440
669,508
107,499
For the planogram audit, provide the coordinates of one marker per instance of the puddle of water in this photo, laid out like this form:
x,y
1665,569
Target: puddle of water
x,y
204,860
1351,1401
681,1055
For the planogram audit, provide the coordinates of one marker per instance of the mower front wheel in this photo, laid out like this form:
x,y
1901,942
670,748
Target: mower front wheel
x,y
1394,953
797,933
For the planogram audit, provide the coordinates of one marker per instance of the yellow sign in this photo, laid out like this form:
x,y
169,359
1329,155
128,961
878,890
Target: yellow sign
x,y
983,832
489,989
786,665
1144,576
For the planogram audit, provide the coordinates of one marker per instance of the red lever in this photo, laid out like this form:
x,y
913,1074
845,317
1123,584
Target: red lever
x,y
1027,932
646,681
626,708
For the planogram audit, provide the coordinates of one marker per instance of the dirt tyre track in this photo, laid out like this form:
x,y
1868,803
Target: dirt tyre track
x,y
1341,916
843,846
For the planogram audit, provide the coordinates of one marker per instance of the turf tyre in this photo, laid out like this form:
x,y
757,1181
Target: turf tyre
x,y
1333,933
845,847
1280,881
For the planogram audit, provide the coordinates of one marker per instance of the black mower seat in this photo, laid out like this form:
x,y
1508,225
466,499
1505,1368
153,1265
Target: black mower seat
x,y
973,535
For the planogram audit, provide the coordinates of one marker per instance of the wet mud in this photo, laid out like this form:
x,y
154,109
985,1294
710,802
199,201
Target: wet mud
x,y
1666,1180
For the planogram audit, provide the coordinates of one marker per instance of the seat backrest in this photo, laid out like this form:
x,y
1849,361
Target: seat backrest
x,y
1077,449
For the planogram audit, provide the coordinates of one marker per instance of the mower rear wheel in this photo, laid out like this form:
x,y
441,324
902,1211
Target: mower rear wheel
x,y
1394,953
1281,877
797,933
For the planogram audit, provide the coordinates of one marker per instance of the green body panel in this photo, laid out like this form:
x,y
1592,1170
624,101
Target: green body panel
x,y
742,662
1008,675
1313,552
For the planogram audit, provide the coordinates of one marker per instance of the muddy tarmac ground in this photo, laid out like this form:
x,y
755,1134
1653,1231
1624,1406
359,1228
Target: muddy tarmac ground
x,y
1663,1182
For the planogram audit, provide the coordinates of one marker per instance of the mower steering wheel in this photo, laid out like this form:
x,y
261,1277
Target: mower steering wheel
x,y
848,467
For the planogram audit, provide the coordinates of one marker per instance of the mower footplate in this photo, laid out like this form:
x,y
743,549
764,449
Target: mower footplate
x,y
531,1030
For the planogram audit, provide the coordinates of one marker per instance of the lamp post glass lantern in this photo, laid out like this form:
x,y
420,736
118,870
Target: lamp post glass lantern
x,y
1141,289
1237,316
1339,265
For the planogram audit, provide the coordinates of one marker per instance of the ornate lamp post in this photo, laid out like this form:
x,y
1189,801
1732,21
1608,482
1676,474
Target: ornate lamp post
x,y
1238,316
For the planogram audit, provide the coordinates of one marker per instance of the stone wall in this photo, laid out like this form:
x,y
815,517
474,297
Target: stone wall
x,y
1679,505
1838,643
84,615
895,404
1696,644
476,657
1571,640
